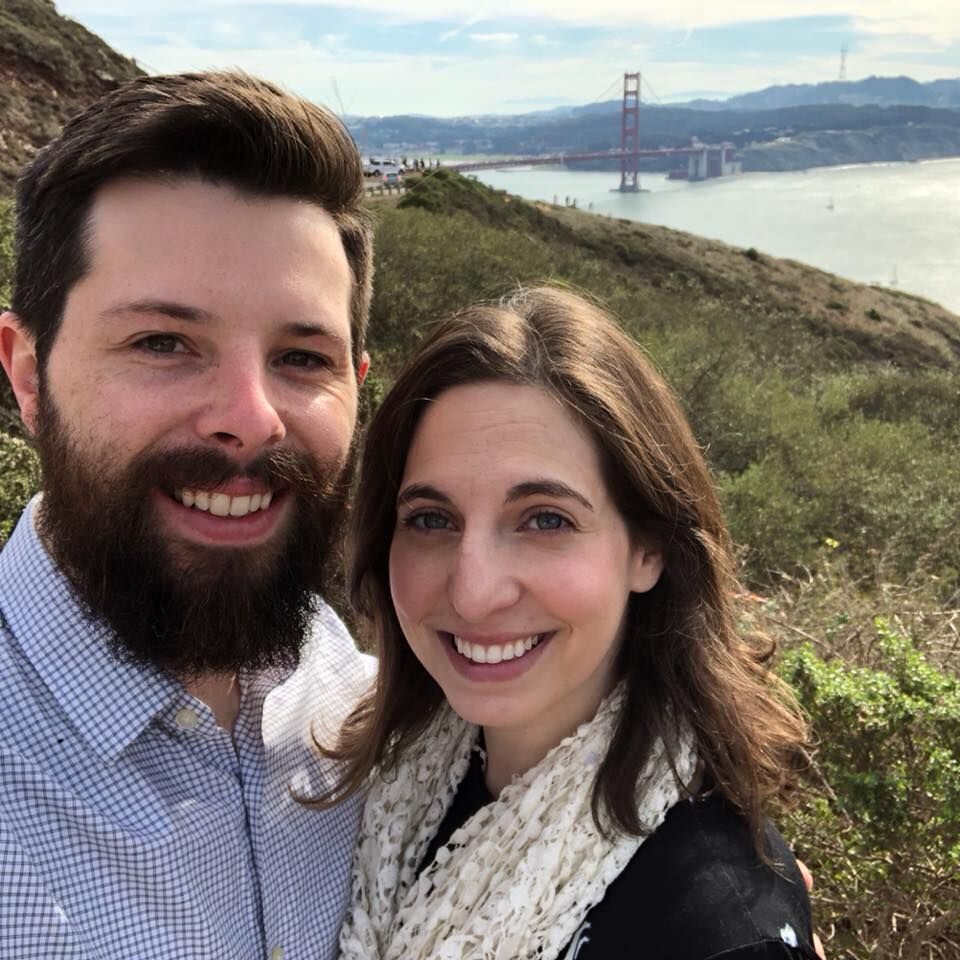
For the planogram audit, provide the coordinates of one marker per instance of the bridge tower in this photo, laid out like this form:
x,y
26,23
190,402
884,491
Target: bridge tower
x,y
630,134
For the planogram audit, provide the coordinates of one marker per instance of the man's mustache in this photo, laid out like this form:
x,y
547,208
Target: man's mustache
x,y
194,467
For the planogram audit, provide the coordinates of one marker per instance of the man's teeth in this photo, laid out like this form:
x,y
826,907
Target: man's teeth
x,y
223,505
496,652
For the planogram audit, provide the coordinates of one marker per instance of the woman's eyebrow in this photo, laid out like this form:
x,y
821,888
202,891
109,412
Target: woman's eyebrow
x,y
422,491
545,488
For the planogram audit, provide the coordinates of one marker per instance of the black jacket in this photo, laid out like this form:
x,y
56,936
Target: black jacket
x,y
694,890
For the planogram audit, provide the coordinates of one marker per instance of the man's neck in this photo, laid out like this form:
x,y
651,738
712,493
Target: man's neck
x,y
221,693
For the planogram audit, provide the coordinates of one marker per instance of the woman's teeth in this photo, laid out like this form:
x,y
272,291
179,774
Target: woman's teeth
x,y
496,652
223,505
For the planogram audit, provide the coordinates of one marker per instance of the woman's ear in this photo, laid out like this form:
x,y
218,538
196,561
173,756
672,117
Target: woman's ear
x,y
646,565
18,354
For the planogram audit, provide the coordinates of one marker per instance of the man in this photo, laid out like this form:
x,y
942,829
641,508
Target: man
x,y
186,345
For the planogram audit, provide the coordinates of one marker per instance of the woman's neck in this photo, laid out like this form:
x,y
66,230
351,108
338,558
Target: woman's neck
x,y
512,751
511,754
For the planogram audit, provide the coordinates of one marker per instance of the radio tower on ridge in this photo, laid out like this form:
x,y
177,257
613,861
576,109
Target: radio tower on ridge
x,y
843,62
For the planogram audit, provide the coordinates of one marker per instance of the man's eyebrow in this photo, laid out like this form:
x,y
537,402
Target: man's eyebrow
x,y
165,308
421,491
545,488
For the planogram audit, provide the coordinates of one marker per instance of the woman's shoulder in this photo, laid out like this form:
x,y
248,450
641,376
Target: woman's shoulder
x,y
696,889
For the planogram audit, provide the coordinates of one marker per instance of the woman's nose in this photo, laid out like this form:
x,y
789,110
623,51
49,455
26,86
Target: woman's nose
x,y
483,580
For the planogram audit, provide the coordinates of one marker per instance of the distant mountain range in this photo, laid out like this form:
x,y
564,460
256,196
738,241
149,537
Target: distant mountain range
x,y
785,127
874,91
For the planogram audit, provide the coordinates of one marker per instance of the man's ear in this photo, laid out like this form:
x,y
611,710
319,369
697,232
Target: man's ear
x,y
646,565
18,354
362,367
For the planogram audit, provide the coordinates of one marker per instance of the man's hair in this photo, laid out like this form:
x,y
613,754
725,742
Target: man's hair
x,y
225,128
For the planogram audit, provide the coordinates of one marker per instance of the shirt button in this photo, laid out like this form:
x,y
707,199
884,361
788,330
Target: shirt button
x,y
186,719
276,953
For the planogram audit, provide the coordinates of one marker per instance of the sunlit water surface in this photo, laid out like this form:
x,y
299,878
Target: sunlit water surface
x,y
893,224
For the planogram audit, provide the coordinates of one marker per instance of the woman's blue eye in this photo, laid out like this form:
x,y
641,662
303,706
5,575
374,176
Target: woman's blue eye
x,y
547,520
427,521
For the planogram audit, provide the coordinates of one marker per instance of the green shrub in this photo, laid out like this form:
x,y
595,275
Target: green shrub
x,y
19,480
882,834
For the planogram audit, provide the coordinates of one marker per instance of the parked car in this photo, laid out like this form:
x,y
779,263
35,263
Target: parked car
x,y
392,177
375,167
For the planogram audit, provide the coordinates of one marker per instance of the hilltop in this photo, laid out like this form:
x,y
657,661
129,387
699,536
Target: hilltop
x,y
50,68
853,323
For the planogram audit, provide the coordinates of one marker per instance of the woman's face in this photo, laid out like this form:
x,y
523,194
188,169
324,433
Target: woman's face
x,y
510,567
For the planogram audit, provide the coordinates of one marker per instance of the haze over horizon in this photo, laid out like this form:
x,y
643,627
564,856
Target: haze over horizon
x,y
455,58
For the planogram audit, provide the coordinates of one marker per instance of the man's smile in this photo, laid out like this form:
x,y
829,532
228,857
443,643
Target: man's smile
x,y
222,504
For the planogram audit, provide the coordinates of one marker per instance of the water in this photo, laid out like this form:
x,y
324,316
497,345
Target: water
x,y
894,224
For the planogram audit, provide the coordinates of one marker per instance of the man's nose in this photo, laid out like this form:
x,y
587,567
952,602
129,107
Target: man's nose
x,y
239,411
484,580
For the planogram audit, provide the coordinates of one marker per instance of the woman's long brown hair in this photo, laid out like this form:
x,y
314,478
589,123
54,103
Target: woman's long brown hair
x,y
682,656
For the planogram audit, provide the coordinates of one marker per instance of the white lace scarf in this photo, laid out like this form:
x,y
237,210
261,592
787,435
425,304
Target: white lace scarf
x,y
516,880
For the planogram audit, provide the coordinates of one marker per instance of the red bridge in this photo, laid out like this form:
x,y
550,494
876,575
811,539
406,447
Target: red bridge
x,y
704,161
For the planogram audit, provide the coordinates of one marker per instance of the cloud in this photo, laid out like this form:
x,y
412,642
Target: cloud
x,y
456,61
496,38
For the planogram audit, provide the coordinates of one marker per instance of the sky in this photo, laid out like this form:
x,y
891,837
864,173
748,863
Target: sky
x,y
460,57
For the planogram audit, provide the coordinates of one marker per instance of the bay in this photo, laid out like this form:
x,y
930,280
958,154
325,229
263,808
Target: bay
x,y
897,224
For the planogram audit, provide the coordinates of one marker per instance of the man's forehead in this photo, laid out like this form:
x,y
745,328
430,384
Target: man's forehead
x,y
191,243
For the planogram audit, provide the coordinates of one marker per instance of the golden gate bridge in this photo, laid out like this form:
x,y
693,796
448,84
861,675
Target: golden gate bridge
x,y
704,160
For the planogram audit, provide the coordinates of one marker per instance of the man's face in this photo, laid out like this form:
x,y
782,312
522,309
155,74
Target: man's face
x,y
195,416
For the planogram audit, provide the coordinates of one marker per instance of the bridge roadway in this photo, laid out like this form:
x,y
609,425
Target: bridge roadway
x,y
542,161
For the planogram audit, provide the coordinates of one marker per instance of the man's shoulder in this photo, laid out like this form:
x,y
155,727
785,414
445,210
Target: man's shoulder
x,y
328,682
31,713
331,654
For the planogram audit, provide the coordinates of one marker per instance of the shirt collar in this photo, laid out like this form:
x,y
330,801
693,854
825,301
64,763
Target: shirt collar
x,y
108,701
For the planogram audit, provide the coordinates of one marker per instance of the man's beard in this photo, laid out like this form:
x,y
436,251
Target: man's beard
x,y
184,608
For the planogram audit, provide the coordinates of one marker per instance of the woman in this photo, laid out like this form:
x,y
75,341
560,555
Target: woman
x,y
569,746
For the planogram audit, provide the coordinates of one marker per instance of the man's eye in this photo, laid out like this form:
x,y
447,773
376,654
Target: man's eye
x,y
304,359
161,343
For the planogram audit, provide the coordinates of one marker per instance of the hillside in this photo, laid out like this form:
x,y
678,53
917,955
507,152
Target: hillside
x,y
50,67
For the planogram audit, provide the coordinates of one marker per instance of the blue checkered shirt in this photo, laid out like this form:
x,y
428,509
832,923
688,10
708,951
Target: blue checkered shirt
x,y
132,827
